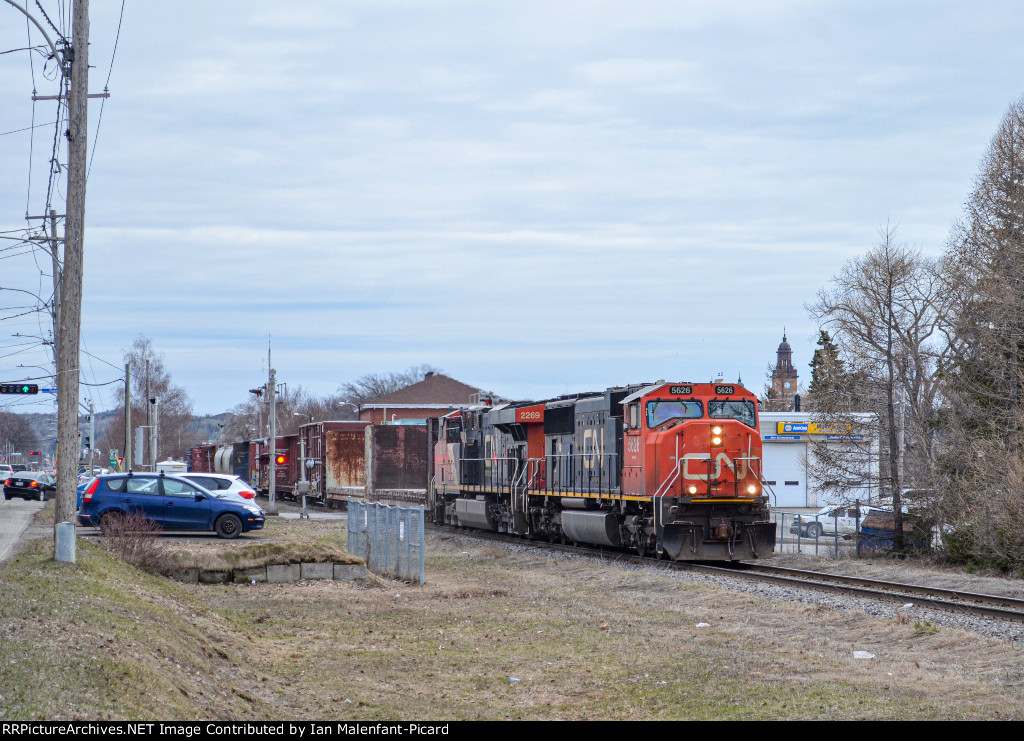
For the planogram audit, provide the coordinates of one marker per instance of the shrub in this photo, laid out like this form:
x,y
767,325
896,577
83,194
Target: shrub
x,y
135,539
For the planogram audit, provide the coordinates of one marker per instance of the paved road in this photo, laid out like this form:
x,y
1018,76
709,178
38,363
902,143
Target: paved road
x,y
15,521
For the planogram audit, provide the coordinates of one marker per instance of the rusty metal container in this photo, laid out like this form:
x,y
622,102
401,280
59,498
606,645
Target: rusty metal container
x,y
336,451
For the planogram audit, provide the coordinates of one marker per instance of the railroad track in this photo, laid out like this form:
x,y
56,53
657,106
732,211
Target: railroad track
x,y
995,607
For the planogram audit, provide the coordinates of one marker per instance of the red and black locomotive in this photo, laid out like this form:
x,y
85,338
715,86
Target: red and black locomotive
x,y
669,468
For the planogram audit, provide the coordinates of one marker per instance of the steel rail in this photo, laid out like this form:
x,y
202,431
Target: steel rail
x,y
991,606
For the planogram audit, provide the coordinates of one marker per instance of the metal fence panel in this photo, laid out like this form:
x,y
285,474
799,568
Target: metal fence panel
x,y
793,536
390,539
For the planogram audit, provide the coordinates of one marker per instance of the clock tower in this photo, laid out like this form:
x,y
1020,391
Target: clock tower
x,y
784,379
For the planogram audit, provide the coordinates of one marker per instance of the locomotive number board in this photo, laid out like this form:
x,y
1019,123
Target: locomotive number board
x,y
687,390
725,390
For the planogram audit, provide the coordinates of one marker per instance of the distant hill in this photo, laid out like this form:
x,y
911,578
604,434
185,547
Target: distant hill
x,y
203,429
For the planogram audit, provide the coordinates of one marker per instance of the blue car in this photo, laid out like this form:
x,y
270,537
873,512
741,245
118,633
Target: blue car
x,y
173,503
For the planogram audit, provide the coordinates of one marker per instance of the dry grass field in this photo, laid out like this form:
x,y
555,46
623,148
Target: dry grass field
x,y
494,634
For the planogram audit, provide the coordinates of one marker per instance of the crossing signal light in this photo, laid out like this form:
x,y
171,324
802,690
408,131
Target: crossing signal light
x,y
281,459
19,388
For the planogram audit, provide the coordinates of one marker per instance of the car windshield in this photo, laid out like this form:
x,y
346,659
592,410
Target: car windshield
x,y
660,412
738,409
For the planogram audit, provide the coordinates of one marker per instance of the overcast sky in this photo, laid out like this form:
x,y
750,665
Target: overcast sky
x,y
535,197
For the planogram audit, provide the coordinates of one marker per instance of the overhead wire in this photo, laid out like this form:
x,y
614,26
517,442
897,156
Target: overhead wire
x,y
106,89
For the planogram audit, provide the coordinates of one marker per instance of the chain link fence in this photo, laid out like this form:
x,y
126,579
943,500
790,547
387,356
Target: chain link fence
x,y
811,535
390,539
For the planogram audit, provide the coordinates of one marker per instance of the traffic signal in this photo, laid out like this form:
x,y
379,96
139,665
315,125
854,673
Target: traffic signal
x,y
19,388
258,392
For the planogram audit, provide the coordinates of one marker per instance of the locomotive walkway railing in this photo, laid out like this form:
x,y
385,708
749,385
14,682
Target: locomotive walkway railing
x,y
570,473
390,539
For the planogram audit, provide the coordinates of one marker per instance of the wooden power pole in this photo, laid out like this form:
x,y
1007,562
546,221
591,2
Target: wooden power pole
x,y
68,337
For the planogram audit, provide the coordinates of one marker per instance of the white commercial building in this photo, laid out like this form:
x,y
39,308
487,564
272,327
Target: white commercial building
x,y
787,438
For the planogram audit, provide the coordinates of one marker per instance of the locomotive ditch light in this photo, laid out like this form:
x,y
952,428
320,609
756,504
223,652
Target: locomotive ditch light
x,y
692,489
752,489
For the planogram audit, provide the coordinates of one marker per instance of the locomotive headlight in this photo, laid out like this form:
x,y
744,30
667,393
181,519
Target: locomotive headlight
x,y
752,489
716,430
716,441
692,489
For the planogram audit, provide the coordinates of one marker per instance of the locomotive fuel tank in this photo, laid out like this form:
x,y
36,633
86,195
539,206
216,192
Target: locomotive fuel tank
x,y
474,513
599,528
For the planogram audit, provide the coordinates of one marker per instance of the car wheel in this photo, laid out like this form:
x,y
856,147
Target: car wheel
x,y
110,521
813,530
228,526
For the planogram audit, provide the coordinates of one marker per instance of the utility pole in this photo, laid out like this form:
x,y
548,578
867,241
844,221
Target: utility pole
x,y
71,291
154,432
128,416
272,442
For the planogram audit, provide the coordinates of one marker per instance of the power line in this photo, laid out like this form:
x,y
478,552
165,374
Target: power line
x,y
27,128
106,88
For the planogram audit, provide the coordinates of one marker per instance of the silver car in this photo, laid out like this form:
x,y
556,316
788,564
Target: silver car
x,y
227,486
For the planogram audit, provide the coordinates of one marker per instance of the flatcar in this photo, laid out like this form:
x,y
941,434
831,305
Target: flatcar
x,y
668,468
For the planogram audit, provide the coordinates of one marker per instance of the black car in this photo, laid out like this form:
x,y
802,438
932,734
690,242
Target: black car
x,y
30,485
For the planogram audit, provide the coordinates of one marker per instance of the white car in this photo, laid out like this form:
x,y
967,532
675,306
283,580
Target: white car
x,y
225,485
831,520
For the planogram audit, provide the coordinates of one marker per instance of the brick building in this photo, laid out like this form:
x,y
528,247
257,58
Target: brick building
x,y
434,396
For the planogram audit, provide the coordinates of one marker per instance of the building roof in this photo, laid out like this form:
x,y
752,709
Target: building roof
x,y
434,389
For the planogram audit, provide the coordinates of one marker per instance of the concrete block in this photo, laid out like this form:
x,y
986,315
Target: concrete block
x,y
279,573
214,577
317,571
247,576
349,571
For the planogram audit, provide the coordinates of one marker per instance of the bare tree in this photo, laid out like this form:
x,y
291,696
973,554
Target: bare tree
x,y
887,314
17,434
984,489
151,379
375,385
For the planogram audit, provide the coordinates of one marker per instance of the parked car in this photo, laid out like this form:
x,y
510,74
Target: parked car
x,y
5,470
172,502
81,490
30,485
229,485
831,520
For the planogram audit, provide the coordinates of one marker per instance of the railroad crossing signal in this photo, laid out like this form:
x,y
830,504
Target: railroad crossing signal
x,y
19,388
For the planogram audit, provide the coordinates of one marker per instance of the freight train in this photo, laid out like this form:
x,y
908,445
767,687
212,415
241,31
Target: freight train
x,y
668,468
389,463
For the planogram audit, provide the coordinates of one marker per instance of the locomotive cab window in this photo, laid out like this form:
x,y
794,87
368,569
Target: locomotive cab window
x,y
737,409
660,412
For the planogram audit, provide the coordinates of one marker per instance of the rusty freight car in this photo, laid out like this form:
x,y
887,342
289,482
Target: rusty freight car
x,y
202,458
389,463
335,460
285,457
